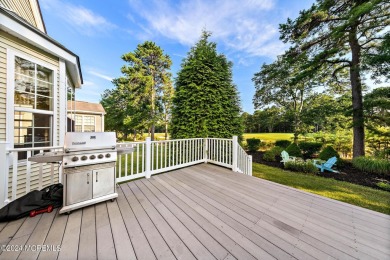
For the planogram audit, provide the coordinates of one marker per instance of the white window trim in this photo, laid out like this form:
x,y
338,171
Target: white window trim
x,y
10,109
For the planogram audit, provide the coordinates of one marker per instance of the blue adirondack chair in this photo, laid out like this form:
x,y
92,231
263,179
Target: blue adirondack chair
x,y
327,165
286,157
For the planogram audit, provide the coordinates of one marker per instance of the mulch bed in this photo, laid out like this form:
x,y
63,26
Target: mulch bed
x,y
347,172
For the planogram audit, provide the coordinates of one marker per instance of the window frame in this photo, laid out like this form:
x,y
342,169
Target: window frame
x,y
83,117
10,104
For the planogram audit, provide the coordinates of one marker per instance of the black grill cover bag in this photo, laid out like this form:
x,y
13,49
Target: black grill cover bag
x,y
34,200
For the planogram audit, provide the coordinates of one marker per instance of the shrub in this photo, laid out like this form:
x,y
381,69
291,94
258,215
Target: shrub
x,y
294,150
383,185
253,144
301,166
327,153
310,148
282,143
270,155
372,165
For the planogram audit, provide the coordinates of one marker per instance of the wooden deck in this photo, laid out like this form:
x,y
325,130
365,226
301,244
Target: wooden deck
x,y
205,212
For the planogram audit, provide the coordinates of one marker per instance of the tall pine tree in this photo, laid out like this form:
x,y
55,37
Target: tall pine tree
x,y
206,102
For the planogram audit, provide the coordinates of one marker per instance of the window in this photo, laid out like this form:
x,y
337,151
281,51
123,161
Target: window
x,y
84,124
33,104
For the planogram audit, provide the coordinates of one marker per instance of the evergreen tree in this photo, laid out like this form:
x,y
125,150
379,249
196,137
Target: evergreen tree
x,y
145,87
206,102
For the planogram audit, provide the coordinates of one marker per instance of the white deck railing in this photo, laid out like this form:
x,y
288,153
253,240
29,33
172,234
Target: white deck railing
x,y
18,177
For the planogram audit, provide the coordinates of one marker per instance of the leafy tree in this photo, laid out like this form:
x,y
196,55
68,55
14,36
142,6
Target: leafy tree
x,y
338,35
206,102
248,123
121,115
377,108
147,81
275,85
325,112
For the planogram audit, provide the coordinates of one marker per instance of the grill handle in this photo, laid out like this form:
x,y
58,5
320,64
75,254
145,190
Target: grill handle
x,y
97,175
68,150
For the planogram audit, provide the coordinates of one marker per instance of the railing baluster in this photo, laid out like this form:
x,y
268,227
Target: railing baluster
x,y
52,174
14,174
28,172
120,166
126,165
40,176
143,157
161,153
132,163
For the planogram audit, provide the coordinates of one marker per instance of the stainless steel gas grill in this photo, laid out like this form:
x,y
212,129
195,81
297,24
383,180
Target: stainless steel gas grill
x,y
89,165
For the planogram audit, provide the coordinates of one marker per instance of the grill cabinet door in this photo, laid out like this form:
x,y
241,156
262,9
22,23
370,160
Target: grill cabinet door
x,y
79,187
103,182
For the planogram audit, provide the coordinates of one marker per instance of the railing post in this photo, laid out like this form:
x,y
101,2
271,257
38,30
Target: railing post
x,y
250,165
235,150
205,149
3,174
148,157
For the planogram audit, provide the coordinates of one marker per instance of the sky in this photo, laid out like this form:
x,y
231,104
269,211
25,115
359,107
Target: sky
x,y
101,31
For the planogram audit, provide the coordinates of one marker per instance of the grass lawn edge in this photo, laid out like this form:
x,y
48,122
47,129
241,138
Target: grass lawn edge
x,y
369,198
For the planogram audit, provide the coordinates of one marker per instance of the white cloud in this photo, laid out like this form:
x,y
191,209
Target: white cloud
x,y
240,25
80,18
100,75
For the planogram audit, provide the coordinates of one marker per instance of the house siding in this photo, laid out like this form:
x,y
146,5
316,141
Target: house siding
x,y
22,8
8,41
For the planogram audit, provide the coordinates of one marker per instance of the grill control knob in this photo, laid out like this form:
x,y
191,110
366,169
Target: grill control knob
x,y
84,157
92,157
75,159
100,156
108,155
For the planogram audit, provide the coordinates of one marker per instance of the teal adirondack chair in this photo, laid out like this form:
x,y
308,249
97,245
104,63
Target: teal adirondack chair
x,y
286,157
327,165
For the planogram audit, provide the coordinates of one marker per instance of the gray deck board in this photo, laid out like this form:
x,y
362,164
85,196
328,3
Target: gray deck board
x,y
299,222
156,241
123,246
70,241
138,239
206,239
205,212
179,249
104,239
87,245
55,236
21,237
39,235
237,222
197,249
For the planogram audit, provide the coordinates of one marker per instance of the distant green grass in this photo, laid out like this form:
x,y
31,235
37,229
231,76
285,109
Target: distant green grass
x,y
361,196
269,137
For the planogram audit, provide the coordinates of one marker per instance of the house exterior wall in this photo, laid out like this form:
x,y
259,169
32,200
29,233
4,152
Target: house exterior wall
x,y
22,8
11,44
99,127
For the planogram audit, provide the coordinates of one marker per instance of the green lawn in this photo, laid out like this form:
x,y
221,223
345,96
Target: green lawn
x,y
343,191
269,136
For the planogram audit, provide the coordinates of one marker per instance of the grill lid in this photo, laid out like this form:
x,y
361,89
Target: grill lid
x,y
83,141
